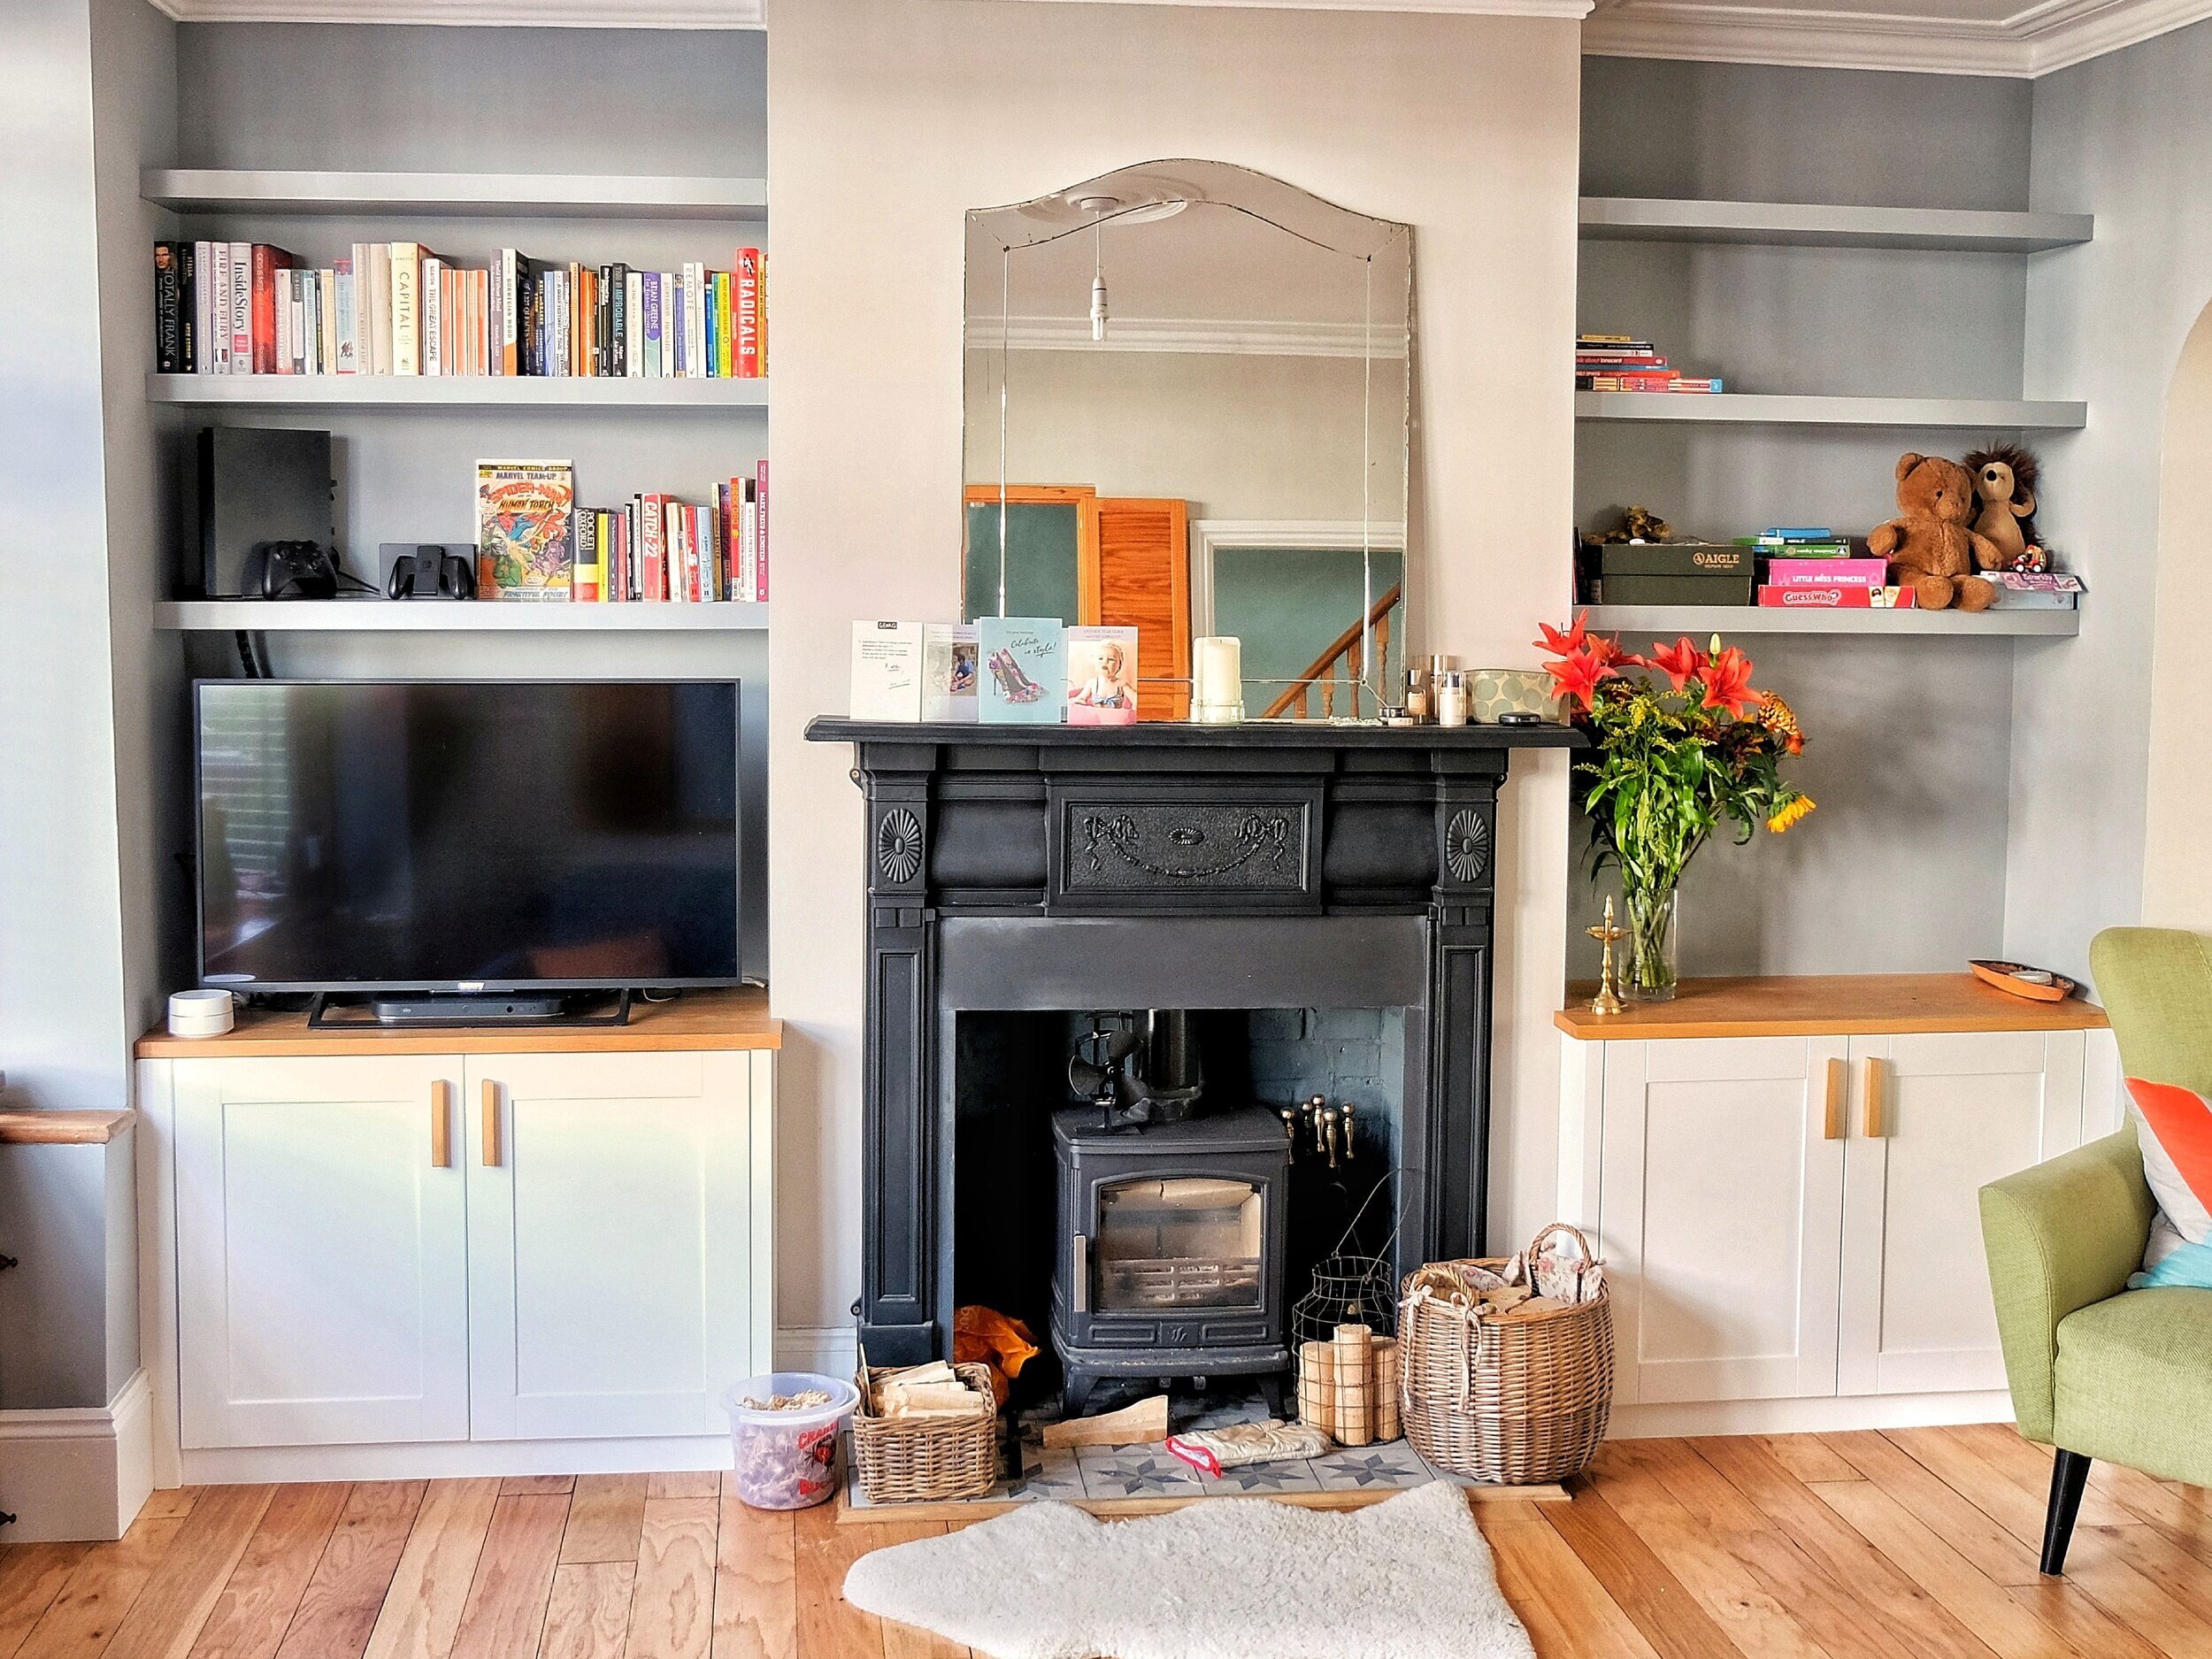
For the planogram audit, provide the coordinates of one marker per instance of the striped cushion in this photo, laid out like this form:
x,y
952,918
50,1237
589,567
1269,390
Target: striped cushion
x,y
2174,1128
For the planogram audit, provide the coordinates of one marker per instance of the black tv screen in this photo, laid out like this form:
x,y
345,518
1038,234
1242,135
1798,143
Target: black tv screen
x,y
456,836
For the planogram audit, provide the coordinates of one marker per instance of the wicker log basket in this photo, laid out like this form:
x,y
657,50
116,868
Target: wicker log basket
x,y
906,1460
1515,1401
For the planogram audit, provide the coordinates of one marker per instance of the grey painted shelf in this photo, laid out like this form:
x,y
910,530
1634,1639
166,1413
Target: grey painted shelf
x,y
456,391
377,616
455,195
1700,620
1806,225
1788,410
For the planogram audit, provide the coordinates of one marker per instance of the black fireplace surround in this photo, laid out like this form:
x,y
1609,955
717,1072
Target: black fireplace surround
x,y
1166,865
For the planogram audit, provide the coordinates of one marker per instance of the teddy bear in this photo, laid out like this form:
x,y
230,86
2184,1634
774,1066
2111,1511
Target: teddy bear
x,y
2005,478
1932,547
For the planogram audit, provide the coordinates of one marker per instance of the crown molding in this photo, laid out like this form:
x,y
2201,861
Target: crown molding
x,y
1447,8
573,14
2043,38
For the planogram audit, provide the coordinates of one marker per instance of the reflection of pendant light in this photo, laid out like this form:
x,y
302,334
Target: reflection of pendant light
x,y
1099,206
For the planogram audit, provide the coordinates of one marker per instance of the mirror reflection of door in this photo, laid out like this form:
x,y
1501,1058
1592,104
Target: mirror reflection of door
x,y
1089,559
1294,592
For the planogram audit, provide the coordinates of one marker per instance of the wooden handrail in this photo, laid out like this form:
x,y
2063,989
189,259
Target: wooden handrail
x,y
1347,644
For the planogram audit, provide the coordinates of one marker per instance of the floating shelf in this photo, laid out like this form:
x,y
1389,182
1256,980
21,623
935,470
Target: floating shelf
x,y
1788,410
1805,224
430,616
455,195
1700,620
457,391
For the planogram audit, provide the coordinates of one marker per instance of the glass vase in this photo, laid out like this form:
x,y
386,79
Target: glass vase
x,y
1654,950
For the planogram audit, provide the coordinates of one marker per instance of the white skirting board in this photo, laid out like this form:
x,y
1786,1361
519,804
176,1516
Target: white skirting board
x,y
1818,1415
79,1474
452,1460
832,1350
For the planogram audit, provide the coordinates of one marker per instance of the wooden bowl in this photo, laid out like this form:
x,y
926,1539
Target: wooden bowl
x,y
2001,974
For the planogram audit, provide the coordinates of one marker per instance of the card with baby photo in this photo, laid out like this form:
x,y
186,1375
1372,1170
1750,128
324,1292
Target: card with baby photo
x,y
1102,676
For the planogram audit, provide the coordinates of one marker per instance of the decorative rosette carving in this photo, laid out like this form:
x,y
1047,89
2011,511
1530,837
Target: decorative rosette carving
x,y
1467,845
899,846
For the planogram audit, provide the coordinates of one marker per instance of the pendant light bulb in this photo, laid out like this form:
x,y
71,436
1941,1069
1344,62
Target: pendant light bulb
x,y
1098,308
1098,275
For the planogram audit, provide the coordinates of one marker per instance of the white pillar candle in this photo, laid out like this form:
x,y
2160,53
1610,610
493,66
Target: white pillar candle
x,y
1219,671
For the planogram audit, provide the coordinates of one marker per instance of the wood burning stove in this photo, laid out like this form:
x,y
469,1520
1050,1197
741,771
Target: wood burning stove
x,y
1171,1255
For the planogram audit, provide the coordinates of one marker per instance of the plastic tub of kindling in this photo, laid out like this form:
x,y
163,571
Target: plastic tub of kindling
x,y
786,1459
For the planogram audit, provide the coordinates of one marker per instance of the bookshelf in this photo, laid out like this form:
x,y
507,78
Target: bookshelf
x,y
1815,225
377,616
202,190
1698,621
1770,409
438,391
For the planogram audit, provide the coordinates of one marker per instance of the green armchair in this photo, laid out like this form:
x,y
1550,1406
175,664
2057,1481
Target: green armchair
x,y
2097,1369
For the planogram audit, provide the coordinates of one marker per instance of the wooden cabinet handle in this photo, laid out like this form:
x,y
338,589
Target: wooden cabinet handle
x,y
491,1124
441,1125
1876,1104
1839,1088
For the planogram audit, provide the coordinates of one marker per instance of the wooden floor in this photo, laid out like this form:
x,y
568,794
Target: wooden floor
x,y
1915,1543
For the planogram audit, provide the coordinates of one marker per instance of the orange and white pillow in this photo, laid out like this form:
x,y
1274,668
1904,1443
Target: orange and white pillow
x,y
2174,1129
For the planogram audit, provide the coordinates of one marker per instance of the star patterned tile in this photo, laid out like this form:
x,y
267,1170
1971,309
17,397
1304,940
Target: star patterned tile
x,y
1047,1476
1260,1481
1383,1467
1135,1471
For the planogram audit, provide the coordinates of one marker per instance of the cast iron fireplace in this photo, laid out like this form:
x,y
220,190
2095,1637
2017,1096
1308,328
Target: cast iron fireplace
x,y
1020,872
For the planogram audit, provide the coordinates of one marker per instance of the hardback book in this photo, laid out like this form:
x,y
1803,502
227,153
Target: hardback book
x,y
1102,676
244,358
887,671
203,309
216,264
172,263
1837,598
950,673
1677,590
265,262
407,307
1674,559
1025,670
523,511
746,309
380,299
1827,573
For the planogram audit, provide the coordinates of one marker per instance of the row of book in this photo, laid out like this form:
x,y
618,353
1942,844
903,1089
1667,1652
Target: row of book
x,y
1788,566
398,308
1621,363
535,543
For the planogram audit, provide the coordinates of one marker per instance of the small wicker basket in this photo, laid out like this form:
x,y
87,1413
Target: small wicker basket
x,y
906,1460
1516,1402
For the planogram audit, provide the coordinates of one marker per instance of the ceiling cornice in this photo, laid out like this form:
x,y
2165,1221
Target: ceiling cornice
x,y
2050,35
575,14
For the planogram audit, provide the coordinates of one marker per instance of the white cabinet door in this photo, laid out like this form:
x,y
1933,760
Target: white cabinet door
x,y
619,1255
322,1293
1953,1112
1722,1197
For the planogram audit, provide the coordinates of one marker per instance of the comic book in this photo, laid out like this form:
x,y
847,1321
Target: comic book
x,y
523,518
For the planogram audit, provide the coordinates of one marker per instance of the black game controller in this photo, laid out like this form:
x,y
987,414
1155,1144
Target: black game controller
x,y
431,573
292,569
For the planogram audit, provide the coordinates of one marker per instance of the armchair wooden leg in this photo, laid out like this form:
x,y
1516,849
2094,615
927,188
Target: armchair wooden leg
x,y
2069,1473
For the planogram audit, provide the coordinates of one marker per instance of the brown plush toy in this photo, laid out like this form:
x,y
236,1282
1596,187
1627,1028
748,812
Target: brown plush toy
x,y
1932,547
2005,478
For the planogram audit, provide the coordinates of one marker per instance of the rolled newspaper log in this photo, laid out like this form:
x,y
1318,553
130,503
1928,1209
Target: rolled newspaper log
x,y
1316,1386
1355,1396
1384,1350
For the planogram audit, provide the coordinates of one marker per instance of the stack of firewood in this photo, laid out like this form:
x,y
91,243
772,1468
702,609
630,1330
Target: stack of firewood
x,y
1347,1386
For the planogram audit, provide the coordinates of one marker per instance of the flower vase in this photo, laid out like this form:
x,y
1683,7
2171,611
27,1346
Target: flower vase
x,y
1653,958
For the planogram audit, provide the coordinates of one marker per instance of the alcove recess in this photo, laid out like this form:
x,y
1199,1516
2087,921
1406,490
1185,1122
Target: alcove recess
x,y
1851,255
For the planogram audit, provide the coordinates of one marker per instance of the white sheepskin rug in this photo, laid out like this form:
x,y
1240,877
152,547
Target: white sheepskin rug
x,y
1409,1577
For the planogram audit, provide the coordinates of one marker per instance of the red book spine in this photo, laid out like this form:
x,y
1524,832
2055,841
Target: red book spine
x,y
746,307
655,555
267,261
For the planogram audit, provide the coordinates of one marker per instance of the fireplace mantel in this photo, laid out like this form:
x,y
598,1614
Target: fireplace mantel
x,y
1167,865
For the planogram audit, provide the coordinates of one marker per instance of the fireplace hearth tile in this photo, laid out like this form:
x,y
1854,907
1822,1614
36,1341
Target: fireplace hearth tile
x,y
1048,1474
1371,1468
1258,1480
1138,1471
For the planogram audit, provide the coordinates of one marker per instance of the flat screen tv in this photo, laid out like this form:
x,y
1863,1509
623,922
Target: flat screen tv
x,y
466,836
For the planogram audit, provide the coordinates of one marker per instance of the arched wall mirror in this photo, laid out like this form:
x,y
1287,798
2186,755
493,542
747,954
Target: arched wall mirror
x,y
1188,397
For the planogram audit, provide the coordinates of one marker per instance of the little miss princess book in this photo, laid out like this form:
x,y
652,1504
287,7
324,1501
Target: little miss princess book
x,y
1024,661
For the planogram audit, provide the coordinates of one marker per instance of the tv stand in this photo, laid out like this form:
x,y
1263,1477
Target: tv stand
x,y
462,1011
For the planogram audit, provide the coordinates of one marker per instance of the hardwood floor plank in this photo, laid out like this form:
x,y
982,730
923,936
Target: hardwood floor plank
x,y
536,1485
672,1613
172,1501
1640,1585
1894,1600
31,1576
588,1615
1805,1457
604,1519
1739,1601
911,1641
505,1611
1961,1587
2074,1613
2101,1564
829,1627
84,1614
1566,1609
1987,1487
697,1483
2001,1556
430,1586
258,1599
755,1606
346,1593
2030,1464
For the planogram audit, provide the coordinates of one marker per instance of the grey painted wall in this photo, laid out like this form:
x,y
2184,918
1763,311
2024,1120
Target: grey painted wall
x,y
2126,137
1904,867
